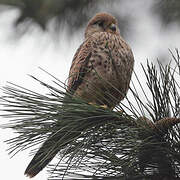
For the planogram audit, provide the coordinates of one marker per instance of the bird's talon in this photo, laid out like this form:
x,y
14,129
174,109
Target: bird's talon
x,y
93,104
120,111
98,106
104,106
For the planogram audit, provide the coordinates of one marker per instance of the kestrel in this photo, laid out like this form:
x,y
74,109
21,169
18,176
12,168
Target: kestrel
x,y
102,66
100,73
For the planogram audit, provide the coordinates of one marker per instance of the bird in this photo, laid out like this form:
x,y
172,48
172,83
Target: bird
x,y
101,68
100,74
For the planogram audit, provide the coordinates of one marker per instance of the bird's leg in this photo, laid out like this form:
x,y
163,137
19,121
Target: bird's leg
x,y
120,110
104,106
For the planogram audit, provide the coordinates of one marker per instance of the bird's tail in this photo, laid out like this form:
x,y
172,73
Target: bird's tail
x,y
42,158
48,151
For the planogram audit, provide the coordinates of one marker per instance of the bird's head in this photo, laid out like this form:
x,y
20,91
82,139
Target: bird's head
x,y
102,22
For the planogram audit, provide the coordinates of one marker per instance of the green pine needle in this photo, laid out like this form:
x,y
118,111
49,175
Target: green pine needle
x,y
96,142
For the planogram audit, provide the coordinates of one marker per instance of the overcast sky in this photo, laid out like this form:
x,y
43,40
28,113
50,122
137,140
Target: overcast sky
x,y
17,59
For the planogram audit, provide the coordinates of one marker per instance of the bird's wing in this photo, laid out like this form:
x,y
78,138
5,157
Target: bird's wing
x,y
79,65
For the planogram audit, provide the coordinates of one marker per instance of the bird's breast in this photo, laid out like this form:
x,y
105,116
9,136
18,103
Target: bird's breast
x,y
111,58
109,70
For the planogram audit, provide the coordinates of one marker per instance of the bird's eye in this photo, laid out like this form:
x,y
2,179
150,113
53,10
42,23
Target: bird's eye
x,y
113,27
99,23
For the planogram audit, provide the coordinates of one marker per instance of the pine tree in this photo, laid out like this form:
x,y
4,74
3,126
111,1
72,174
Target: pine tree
x,y
41,12
139,139
76,13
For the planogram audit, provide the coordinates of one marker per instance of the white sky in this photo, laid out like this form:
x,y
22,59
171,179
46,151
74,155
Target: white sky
x,y
17,59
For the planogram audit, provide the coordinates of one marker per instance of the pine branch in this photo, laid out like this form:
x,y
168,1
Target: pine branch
x,y
139,141
41,12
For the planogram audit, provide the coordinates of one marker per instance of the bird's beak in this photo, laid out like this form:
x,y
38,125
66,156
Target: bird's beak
x,y
113,27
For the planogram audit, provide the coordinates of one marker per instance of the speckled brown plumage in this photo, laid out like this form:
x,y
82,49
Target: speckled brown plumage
x,y
101,69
